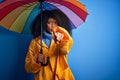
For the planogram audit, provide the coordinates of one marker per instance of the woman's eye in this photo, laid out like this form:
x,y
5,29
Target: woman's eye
x,y
55,23
48,22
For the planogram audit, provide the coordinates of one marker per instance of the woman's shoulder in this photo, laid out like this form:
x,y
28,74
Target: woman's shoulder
x,y
35,40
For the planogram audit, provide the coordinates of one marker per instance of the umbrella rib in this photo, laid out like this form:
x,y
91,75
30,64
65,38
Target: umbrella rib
x,y
28,16
66,4
29,5
63,11
17,20
50,6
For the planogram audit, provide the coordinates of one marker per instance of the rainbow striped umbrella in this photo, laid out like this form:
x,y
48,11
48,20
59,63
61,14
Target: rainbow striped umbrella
x,y
18,15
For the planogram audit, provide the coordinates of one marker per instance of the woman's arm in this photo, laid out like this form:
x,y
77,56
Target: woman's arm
x,y
63,40
31,64
65,47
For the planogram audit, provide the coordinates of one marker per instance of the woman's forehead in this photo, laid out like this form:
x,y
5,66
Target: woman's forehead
x,y
51,19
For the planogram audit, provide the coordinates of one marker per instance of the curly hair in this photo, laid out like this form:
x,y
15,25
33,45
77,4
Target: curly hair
x,y
60,17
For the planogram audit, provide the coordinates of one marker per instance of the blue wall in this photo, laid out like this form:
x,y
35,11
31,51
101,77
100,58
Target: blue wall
x,y
13,49
96,51
95,54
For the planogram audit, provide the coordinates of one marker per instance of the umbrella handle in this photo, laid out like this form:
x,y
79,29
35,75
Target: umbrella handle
x,y
48,61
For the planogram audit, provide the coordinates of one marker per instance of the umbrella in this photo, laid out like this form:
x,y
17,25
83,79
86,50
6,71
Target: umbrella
x,y
18,15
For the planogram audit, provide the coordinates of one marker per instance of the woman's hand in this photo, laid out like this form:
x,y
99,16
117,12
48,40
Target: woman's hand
x,y
40,58
58,37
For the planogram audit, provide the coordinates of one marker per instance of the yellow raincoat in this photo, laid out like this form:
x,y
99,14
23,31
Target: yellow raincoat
x,y
58,68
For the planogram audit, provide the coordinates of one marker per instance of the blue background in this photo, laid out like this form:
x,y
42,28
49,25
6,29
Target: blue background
x,y
95,54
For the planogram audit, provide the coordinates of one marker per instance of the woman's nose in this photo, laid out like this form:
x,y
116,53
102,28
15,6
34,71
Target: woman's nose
x,y
53,25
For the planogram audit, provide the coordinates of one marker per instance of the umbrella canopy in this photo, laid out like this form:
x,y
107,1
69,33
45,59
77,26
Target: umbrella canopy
x,y
18,15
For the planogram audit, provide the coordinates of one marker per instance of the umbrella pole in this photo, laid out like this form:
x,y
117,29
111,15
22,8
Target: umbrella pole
x,y
48,59
41,1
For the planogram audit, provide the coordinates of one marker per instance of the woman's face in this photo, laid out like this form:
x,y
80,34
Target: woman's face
x,y
51,24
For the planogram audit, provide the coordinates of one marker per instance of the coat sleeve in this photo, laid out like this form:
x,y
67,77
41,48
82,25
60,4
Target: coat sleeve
x,y
31,65
67,42
65,46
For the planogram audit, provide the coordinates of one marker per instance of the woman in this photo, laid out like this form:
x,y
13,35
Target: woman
x,y
56,44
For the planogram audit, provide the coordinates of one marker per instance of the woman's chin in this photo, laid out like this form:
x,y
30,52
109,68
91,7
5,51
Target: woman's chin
x,y
50,32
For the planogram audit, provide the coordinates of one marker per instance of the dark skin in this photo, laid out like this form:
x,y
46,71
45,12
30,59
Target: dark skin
x,y
51,24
